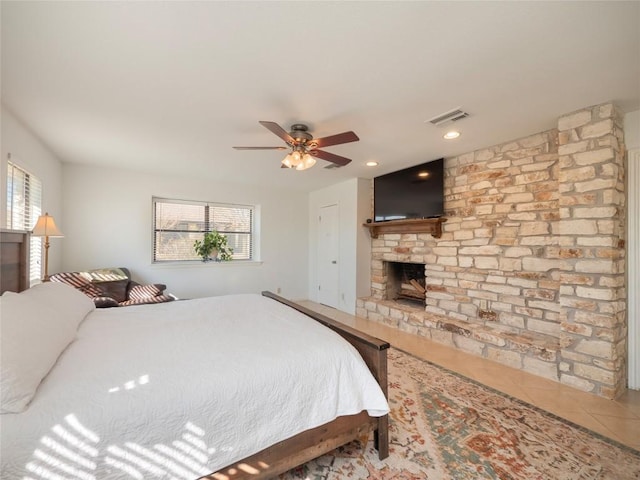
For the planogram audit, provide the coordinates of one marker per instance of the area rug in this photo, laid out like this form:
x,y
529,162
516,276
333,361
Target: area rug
x,y
445,426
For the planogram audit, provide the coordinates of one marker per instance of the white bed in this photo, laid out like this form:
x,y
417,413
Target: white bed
x,y
181,389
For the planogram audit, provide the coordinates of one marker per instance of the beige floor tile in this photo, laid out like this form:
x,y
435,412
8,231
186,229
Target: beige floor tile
x,y
609,408
625,430
555,401
587,421
631,400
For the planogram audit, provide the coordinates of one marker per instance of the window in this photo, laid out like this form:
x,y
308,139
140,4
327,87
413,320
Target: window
x,y
24,206
177,224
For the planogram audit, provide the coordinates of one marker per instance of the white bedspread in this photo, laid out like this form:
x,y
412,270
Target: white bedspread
x,y
180,389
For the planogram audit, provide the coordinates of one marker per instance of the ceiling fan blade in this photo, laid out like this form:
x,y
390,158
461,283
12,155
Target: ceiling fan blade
x,y
330,157
261,148
278,130
344,137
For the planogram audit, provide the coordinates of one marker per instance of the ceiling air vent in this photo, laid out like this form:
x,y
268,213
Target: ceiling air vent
x,y
451,116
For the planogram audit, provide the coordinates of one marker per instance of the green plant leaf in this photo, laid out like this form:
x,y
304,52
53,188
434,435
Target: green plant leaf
x,y
212,241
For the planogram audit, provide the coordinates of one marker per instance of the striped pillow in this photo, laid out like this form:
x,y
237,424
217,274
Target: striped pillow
x,y
143,292
78,281
156,299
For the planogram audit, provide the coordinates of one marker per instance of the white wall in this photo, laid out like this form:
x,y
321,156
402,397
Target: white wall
x,y
108,223
30,153
632,130
353,198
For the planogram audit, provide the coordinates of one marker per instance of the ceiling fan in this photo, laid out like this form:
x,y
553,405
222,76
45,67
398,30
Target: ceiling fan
x,y
304,147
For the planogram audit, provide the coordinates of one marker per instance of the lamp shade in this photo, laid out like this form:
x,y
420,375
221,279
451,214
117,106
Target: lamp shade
x,y
46,227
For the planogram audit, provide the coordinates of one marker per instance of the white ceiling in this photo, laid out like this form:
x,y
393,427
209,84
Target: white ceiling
x,y
170,87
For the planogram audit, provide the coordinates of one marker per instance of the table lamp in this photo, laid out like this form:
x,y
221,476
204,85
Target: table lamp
x,y
46,227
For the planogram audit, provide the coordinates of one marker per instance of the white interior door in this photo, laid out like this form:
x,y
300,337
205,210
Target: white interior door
x,y
328,244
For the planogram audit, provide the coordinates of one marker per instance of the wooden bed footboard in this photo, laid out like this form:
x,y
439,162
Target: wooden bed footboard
x,y
310,444
372,350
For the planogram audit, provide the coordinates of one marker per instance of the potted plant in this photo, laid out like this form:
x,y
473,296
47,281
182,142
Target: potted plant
x,y
214,246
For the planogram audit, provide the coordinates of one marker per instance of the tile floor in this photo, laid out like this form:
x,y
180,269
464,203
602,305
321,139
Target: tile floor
x,y
618,420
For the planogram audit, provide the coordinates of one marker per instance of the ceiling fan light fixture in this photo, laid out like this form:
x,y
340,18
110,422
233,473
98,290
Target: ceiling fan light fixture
x,y
304,148
299,159
293,160
287,161
307,162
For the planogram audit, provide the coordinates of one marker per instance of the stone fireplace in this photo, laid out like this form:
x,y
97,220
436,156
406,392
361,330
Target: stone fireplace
x,y
529,270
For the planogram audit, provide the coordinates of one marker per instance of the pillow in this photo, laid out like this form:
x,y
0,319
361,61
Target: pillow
x,y
105,275
140,292
144,301
105,302
77,280
116,290
35,328
111,282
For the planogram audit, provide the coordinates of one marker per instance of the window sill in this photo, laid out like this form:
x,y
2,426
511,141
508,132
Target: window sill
x,y
199,264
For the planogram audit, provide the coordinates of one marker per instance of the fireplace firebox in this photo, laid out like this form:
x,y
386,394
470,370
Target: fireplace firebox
x,y
406,283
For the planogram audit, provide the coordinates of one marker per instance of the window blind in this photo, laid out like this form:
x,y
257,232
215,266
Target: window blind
x,y
24,206
178,224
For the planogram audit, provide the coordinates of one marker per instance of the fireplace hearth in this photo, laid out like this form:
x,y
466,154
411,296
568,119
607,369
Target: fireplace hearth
x,y
406,283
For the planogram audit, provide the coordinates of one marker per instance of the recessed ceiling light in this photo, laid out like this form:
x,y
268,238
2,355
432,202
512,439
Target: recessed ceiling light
x,y
451,135
371,164
423,174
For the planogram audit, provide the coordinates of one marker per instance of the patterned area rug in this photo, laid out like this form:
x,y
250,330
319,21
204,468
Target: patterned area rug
x,y
444,426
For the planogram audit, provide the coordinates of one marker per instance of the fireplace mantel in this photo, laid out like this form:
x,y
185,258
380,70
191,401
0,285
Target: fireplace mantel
x,y
414,225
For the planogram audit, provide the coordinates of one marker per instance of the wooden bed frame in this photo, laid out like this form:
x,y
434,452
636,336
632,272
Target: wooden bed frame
x,y
14,260
284,455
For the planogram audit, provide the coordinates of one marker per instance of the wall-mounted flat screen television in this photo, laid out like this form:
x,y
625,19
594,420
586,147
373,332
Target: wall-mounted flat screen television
x,y
415,192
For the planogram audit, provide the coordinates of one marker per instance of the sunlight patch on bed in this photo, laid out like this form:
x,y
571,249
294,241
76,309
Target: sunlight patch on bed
x,y
196,442
194,429
73,422
131,384
63,451
66,468
71,451
125,455
168,465
74,441
126,468
187,449
181,458
187,458
43,472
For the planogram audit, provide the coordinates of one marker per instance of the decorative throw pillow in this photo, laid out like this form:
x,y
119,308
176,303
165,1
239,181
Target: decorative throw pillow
x,y
110,282
105,302
79,281
144,301
116,289
105,275
141,292
36,326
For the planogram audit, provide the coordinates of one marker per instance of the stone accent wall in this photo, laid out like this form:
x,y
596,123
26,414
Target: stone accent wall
x,y
529,270
592,233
